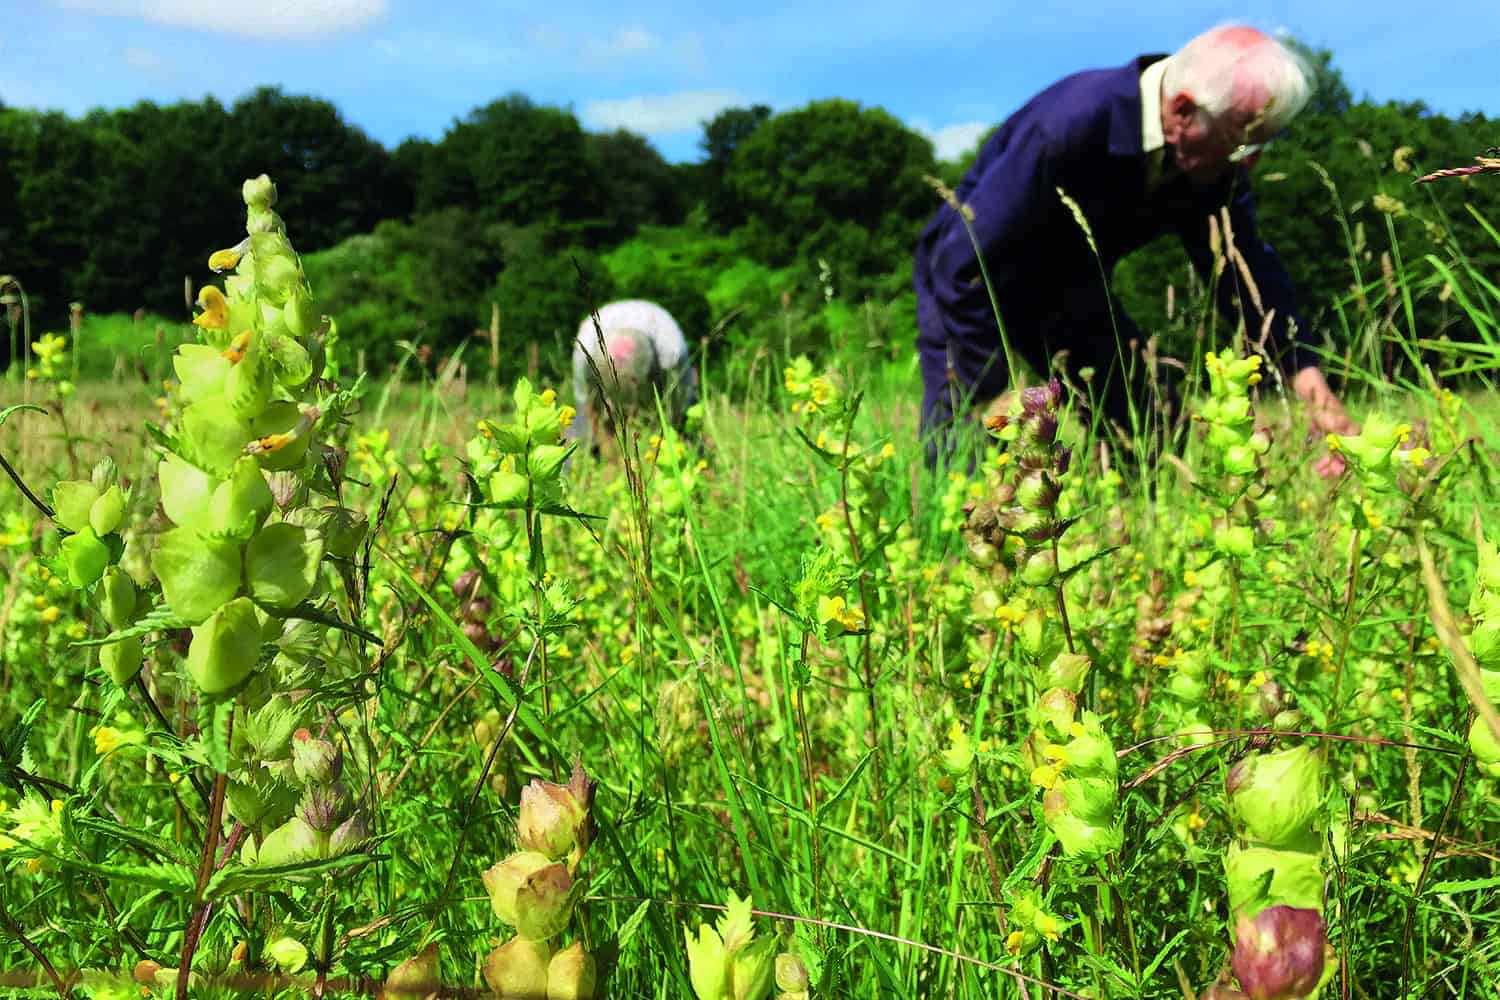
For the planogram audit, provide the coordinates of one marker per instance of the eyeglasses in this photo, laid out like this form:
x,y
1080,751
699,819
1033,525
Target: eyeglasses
x,y
1245,150
1239,151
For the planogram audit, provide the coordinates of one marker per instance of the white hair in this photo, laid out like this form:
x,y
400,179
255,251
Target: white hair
x,y
1234,65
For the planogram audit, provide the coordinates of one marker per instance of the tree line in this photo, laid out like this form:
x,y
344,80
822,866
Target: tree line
x,y
518,207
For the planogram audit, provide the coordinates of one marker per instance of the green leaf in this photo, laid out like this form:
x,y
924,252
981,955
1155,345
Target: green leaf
x,y
632,923
161,618
198,575
232,879
17,408
160,846
214,722
281,564
174,878
1461,885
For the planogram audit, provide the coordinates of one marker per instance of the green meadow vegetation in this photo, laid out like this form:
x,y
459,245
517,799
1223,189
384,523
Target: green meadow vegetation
x,y
329,667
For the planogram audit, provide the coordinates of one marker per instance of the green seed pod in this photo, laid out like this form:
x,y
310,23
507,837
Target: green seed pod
x,y
106,513
1235,540
86,557
240,504
545,461
350,835
291,843
1262,876
213,437
554,819
508,489
122,660
1090,799
287,954
1080,839
225,648
315,762
281,563
72,501
416,978
791,973
117,597
752,970
1276,796
519,968
1056,709
571,974
1239,460
1065,670
1039,568
1484,746
1484,643
531,893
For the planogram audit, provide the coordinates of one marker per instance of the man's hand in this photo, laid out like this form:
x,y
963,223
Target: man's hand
x,y
1325,414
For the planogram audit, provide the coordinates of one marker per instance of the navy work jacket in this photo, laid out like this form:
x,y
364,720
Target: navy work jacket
x,y
1083,135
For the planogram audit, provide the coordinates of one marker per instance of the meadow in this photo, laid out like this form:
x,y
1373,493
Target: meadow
x,y
321,683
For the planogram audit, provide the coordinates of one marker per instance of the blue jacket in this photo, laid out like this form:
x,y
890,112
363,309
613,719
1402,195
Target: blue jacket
x,y
1082,134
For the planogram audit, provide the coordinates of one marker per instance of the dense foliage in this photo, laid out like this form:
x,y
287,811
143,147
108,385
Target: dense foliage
x,y
318,684
113,211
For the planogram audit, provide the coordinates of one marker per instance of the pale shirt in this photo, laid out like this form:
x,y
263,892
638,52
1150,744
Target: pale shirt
x,y
1153,142
673,363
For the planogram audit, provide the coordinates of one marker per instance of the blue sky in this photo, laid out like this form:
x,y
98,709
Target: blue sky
x,y
398,68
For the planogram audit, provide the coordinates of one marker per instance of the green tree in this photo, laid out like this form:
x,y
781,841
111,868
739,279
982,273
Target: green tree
x,y
722,135
839,182
330,175
511,161
637,186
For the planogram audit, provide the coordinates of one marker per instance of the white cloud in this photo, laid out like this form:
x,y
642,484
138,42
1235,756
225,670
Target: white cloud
x,y
953,141
284,20
623,46
660,114
454,53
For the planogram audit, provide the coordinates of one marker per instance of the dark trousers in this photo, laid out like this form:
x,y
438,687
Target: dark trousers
x,y
959,370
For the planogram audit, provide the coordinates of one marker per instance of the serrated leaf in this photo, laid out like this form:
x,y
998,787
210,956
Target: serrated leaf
x,y
232,879
156,845
632,924
159,619
1461,885
170,877
216,734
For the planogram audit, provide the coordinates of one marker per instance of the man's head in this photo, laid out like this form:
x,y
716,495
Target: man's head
x,y
1225,93
630,367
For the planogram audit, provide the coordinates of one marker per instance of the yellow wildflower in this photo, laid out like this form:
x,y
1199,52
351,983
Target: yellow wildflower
x,y
215,308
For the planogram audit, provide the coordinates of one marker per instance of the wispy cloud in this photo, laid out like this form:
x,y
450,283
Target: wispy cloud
x,y
148,63
282,20
952,141
424,49
660,114
625,45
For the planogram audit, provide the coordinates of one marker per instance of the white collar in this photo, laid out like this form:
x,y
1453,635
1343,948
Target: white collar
x,y
1151,134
